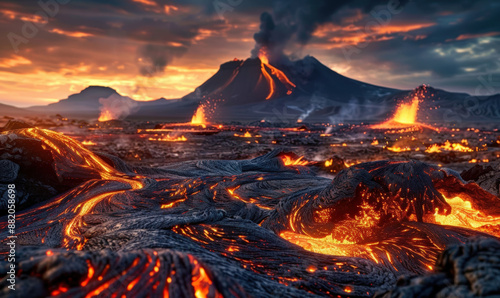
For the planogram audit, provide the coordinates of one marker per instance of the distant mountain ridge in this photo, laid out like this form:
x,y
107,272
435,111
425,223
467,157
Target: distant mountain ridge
x,y
7,110
85,100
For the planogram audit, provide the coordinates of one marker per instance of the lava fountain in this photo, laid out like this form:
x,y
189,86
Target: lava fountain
x,y
406,114
199,117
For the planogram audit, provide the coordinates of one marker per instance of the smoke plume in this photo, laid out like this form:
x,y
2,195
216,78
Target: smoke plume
x,y
157,57
293,22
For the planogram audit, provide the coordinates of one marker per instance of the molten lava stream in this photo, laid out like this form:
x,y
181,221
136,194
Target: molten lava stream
x,y
464,215
290,161
391,253
270,81
70,150
276,72
202,284
73,227
67,150
409,240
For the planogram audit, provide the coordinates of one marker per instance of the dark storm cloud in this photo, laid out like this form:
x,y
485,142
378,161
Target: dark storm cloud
x,y
458,41
446,50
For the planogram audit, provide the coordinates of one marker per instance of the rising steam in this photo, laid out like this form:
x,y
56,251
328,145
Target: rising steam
x,y
116,107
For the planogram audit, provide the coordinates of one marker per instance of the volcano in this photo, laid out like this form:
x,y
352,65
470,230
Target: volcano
x,y
256,80
248,81
253,88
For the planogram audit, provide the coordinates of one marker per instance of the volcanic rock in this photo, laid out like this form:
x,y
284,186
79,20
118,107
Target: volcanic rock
x,y
468,270
15,124
488,177
8,171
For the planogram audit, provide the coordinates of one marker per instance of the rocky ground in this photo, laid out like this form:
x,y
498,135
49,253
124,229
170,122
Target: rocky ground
x,y
235,215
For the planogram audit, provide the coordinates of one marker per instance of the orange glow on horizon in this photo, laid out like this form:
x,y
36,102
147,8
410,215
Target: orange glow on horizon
x,y
39,87
14,61
145,2
71,34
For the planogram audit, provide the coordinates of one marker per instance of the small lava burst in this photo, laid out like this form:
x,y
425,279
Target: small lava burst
x,y
405,115
106,115
407,112
199,117
88,143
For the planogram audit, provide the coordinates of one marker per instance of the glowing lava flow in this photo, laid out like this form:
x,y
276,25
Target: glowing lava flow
x,y
202,284
290,161
448,146
464,215
199,117
276,72
424,254
169,138
67,149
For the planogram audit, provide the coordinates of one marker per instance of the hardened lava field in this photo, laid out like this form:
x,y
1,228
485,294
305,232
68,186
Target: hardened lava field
x,y
272,222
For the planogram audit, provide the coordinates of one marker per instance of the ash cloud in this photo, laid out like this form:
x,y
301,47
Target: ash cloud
x,y
296,21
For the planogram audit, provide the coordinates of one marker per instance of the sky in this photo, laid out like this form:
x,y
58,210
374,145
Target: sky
x,y
147,49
